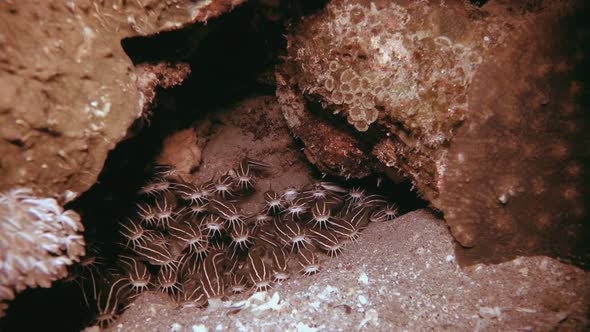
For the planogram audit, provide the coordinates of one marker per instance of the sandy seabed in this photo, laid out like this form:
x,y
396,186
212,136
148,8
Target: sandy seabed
x,y
401,275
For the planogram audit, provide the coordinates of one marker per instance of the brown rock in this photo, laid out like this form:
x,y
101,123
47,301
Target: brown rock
x,y
69,91
333,150
479,108
181,150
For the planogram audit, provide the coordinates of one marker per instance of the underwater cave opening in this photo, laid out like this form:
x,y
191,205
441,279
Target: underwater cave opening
x,y
232,59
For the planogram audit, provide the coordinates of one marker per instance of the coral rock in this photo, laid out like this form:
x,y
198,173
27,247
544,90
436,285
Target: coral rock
x,y
69,92
181,150
479,108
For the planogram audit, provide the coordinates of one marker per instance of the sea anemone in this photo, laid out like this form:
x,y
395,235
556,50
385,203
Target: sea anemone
x,y
38,240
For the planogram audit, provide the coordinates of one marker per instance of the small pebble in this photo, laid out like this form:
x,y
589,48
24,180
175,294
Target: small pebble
x,y
240,327
371,316
199,328
362,299
489,313
363,278
305,328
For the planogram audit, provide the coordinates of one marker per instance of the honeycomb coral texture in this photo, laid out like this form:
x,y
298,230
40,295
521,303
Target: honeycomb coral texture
x,y
367,62
38,240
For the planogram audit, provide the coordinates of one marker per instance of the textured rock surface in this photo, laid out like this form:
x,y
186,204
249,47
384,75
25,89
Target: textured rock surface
x,y
69,92
181,150
480,108
160,75
411,282
332,149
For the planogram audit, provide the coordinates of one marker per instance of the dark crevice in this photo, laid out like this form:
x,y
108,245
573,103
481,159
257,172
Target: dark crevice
x,y
403,193
478,3
16,142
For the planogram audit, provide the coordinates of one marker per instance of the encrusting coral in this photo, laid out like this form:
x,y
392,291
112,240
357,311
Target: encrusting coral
x,y
194,242
361,55
480,108
38,240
